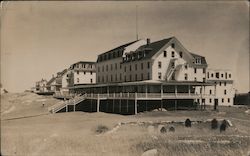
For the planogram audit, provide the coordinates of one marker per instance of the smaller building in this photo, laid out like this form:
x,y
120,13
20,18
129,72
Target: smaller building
x,y
80,73
242,99
41,86
223,88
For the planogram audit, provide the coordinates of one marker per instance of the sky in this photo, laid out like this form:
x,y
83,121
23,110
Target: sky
x,y
41,38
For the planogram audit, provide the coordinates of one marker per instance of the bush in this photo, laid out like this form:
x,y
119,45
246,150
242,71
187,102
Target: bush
x,y
101,129
163,130
223,126
214,124
188,123
171,129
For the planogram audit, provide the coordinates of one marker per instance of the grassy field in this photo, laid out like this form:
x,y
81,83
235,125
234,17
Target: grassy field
x,y
78,133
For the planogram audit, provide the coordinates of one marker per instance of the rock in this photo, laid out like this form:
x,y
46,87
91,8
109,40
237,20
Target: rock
x,y
247,111
171,129
152,152
163,130
229,123
214,124
164,110
188,123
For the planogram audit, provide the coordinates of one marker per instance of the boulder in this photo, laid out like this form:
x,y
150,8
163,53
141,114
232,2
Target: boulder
x,y
152,152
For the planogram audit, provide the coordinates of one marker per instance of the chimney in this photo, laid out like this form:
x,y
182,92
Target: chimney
x,y
148,41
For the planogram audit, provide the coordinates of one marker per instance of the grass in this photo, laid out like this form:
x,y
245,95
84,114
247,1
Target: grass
x,y
75,133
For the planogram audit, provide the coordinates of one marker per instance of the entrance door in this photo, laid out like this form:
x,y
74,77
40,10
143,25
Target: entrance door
x,y
215,104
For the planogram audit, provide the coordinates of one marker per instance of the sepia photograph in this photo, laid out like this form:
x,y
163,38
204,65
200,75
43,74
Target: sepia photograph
x,y
125,78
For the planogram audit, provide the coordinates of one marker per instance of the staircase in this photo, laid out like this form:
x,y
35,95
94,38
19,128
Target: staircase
x,y
171,69
59,106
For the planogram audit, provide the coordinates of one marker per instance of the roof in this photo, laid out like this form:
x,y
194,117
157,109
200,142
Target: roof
x,y
115,50
51,80
82,62
151,49
203,59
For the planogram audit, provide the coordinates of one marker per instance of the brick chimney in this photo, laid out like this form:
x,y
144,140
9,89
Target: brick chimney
x,y
148,41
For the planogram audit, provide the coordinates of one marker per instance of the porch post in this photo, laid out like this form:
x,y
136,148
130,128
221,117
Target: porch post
x,y
161,90
120,105
188,90
146,90
98,104
135,103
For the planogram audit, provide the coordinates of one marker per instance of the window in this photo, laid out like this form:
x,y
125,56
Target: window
x,y
111,78
107,78
186,66
226,75
220,83
228,100
111,67
107,67
141,76
173,76
195,70
173,65
120,66
148,76
222,100
222,75
135,66
165,53
225,92
186,76
102,68
84,73
180,54
102,78
172,53
229,75
195,79
98,69
91,73
204,70
148,65
212,75
135,77
173,45
130,68
130,77
210,100
141,65
77,72
159,64
159,75
204,79
84,66
91,81
115,66
125,78
225,83
125,69
217,75
208,75
120,76
198,60
115,77
77,80
210,91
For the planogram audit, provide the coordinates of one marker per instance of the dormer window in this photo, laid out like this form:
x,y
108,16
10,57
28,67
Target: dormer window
x,y
198,61
173,45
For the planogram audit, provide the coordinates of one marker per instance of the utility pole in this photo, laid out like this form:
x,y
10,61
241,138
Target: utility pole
x,y
136,21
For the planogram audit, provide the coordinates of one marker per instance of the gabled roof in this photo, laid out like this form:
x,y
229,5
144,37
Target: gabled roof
x,y
152,48
51,80
115,50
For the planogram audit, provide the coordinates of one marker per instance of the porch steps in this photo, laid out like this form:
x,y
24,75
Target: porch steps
x,y
61,105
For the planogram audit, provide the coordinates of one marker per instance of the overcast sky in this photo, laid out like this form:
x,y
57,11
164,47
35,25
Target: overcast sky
x,y
39,39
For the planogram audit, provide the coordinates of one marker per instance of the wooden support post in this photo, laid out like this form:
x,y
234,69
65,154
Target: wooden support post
x,y
161,91
120,105
146,91
146,105
135,103
66,107
113,105
127,104
161,105
175,104
98,104
74,108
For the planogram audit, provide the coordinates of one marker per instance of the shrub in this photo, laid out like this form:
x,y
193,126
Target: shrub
x,y
214,124
188,122
101,129
171,129
163,130
223,126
